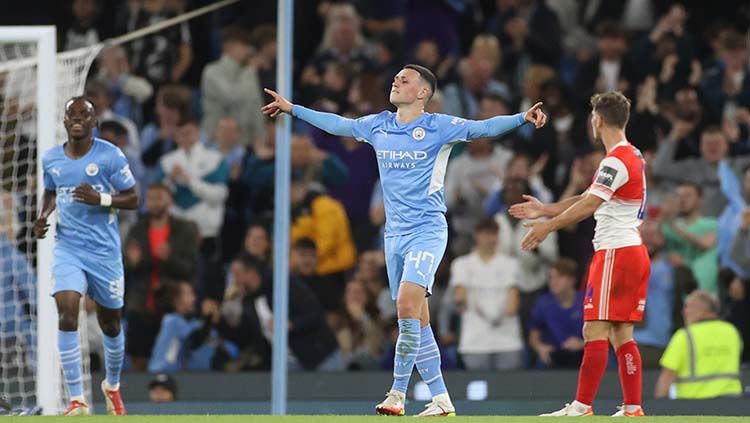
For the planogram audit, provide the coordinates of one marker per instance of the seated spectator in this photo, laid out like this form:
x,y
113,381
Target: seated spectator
x,y
162,389
184,342
484,286
172,105
358,329
198,177
226,140
230,88
322,219
159,249
257,243
129,91
556,328
702,359
691,236
303,265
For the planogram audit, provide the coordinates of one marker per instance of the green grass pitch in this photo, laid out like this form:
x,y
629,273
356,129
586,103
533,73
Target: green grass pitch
x,y
353,419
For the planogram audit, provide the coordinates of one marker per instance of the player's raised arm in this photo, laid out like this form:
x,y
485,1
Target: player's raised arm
x,y
499,125
329,122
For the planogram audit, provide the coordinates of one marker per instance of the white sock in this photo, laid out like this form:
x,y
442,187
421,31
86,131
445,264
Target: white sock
x,y
442,397
580,406
632,408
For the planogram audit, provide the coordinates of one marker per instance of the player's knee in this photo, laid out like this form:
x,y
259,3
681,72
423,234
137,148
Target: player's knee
x,y
67,322
594,332
111,328
407,308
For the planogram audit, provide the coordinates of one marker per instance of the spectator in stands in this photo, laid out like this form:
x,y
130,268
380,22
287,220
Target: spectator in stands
x,y
468,181
529,31
653,335
730,220
701,171
100,95
257,243
162,388
477,77
358,329
690,235
159,249
184,342
226,140
164,56
556,324
263,59
738,292
129,91
198,177
322,219
610,69
484,286
172,105
533,266
83,31
702,359
303,265
741,242
726,86
230,88
428,53
520,167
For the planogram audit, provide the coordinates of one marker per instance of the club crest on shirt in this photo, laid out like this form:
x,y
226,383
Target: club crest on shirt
x,y
92,169
418,134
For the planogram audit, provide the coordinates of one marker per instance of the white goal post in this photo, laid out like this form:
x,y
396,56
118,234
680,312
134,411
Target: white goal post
x,y
47,380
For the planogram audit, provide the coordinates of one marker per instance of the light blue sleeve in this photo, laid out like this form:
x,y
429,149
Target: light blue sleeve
x,y
120,175
730,186
166,352
458,129
49,182
329,122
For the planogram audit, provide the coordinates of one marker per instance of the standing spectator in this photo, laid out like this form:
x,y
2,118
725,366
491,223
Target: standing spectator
x,y
303,265
226,139
610,69
726,86
263,39
691,236
702,359
257,243
172,105
230,88
701,171
484,286
164,56
730,221
159,249
128,91
556,326
100,94
199,176
322,219
83,31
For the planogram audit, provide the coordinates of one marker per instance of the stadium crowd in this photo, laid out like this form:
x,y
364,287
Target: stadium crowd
x,y
184,106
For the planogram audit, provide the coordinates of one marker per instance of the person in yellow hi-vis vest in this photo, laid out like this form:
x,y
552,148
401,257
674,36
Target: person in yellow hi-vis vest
x,y
702,359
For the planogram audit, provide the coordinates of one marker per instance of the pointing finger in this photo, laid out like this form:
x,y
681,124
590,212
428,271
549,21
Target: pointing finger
x,y
536,107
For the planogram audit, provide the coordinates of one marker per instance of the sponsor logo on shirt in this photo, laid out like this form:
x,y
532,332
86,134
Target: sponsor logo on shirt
x,y
92,169
606,176
398,159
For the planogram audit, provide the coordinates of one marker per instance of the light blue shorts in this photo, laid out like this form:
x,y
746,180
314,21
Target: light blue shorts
x,y
414,258
101,278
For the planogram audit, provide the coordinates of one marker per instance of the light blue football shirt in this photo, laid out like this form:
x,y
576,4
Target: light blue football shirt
x,y
412,158
92,229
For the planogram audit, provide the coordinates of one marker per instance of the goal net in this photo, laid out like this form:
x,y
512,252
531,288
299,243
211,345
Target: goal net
x,y
27,111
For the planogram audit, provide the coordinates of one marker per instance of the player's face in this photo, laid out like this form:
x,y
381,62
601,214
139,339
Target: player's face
x,y
79,119
407,87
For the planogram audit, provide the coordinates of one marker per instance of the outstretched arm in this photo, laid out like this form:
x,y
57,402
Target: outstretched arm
x,y
580,210
533,208
499,125
329,122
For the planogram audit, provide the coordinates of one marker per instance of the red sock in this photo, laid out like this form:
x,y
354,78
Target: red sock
x,y
595,355
630,368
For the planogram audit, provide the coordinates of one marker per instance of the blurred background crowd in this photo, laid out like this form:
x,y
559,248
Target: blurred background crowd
x,y
184,105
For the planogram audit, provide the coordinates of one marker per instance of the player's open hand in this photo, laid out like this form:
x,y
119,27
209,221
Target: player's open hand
x,y
538,231
535,115
86,194
532,208
40,227
278,105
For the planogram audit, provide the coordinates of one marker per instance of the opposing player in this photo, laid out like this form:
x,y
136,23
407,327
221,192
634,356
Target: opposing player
x,y
87,180
412,148
618,276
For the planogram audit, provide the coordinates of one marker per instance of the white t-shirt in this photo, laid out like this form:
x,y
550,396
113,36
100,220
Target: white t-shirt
x,y
487,285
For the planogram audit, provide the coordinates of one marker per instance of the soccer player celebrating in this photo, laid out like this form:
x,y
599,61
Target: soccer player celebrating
x,y
87,180
412,148
618,275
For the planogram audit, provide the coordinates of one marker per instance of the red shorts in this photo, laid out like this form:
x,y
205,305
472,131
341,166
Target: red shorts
x,y
617,285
